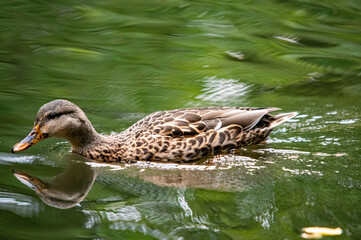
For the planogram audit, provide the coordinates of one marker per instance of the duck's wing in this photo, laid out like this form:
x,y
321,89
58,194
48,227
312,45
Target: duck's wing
x,y
193,121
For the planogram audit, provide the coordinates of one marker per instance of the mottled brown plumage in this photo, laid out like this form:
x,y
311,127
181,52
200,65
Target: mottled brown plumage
x,y
178,135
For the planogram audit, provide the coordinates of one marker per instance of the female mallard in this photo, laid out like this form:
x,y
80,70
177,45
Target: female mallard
x,y
176,135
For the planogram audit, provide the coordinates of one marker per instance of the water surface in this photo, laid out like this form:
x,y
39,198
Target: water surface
x,y
121,60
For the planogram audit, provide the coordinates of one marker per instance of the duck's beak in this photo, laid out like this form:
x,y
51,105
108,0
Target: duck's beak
x,y
34,136
32,182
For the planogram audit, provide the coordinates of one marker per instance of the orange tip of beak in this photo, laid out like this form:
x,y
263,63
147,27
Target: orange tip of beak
x,y
34,136
20,147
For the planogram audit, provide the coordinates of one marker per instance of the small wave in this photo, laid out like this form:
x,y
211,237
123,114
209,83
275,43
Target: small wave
x,y
7,159
19,204
222,90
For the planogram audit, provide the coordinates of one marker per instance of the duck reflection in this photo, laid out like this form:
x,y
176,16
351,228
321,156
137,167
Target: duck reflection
x,y
71,187
66,189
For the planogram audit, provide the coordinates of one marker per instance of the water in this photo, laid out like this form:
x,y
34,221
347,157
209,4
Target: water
x,y
120,61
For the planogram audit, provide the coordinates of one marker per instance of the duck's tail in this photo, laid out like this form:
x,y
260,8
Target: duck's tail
x,y
280,118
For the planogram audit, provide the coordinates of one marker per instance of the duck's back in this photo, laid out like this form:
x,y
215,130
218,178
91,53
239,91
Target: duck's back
x,y
189,134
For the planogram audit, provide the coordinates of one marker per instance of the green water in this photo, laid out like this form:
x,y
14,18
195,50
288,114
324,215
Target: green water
x,y
121,60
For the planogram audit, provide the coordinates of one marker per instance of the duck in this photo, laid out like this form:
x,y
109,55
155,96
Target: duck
x,y
180,135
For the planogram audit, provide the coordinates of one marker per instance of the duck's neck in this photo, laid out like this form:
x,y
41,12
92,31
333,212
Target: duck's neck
x,y
83,137
87,142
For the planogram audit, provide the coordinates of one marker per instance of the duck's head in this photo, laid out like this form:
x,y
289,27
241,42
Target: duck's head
x,y
59,118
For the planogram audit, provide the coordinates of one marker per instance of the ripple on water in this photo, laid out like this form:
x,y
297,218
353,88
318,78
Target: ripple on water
x,y
288,140
19,204
345,121
302,171
222,90
214,163
125,218
8,159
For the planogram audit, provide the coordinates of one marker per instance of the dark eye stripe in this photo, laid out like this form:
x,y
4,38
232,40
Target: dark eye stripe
x,y
57,115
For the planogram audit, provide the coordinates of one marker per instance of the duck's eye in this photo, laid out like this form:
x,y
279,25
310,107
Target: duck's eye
x,y
54,115
57,115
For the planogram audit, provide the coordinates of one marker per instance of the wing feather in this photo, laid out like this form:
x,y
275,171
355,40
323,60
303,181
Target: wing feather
x,y
193,121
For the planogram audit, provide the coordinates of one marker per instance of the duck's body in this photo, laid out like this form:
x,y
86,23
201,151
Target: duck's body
x,y
177,135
